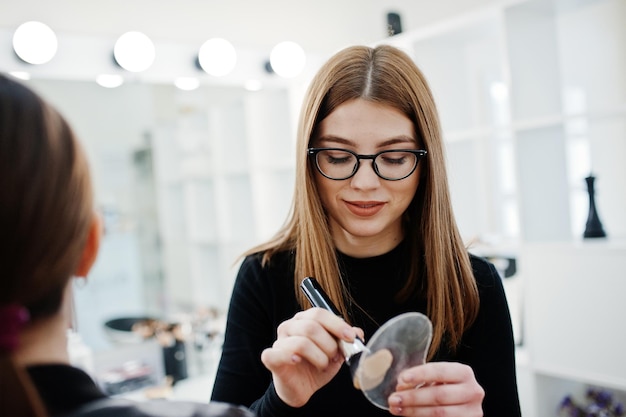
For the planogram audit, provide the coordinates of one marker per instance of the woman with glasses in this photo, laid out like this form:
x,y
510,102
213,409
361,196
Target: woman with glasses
x,y
372,221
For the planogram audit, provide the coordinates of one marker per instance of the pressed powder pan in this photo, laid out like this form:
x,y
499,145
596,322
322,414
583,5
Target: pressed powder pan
x,y
401,343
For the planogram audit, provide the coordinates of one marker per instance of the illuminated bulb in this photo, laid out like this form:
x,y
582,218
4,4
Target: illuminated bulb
x,y
109,80
134,51
217,57
22,75
187,83
253,85
287,59
35,43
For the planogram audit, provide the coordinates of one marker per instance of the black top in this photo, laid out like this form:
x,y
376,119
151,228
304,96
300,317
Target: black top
x,y
263,297
69,392
55,383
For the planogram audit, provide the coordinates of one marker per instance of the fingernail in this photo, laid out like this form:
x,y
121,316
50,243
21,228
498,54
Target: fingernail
x,y
395,401
348,334
295,358
407,378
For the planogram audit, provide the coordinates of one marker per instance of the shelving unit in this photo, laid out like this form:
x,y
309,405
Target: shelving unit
x,y
575,302
465,63
224,169
532,98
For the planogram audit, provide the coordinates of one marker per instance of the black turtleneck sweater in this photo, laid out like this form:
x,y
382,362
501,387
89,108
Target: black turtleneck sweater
x,y
263,297
64,388
67,391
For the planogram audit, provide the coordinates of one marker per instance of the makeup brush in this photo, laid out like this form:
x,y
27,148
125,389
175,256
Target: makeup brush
x,y
318,298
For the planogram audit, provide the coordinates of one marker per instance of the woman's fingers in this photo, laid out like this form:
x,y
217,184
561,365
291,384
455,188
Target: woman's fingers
x,y
274,359
310,335
294,349
435,373
308,329
440,394
320,326
436,411
306,355
333,324
437,388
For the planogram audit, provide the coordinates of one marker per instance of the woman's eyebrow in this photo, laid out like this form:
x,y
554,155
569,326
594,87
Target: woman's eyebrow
x,y
336,139
348,142
399,139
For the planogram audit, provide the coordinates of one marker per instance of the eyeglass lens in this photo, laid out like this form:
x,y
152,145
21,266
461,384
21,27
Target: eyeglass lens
x,y
341,164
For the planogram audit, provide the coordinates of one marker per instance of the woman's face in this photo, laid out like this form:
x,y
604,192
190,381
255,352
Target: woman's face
x,y
365,211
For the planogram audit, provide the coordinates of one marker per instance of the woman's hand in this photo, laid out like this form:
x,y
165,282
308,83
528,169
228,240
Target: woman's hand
x,y
437,389
306,355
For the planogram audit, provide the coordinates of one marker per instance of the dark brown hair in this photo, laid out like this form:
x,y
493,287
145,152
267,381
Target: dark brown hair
x,y
46,208
385,75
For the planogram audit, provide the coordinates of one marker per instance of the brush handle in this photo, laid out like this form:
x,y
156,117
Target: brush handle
x,y
318,298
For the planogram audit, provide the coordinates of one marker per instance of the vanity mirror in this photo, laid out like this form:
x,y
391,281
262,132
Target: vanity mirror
x,y
185,181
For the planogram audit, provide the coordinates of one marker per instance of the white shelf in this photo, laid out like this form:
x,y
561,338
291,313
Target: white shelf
x,y
574,295
222,173
531,95
590,378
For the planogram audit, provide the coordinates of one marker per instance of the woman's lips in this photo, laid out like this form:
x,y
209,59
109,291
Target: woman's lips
x,y
364,208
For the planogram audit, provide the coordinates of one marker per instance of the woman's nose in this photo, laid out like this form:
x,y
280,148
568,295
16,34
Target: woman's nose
x,y
365,176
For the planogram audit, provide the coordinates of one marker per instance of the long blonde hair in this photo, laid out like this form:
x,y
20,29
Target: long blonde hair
x,y
46,210
386,75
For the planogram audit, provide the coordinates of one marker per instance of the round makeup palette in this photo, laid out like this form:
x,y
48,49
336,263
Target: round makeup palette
x,y
399,344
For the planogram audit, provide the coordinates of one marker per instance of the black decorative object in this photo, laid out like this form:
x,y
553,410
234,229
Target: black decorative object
x,y
394,24
594,225
175,361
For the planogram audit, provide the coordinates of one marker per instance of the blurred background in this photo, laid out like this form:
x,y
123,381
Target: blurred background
x,y
192,153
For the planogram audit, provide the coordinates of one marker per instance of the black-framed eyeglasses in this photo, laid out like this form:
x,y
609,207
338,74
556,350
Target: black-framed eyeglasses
x,y
341,164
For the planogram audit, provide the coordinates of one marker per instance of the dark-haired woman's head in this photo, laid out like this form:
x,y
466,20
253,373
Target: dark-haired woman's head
x,y
48,234
46,202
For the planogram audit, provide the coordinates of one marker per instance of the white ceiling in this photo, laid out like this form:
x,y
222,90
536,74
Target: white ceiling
x,y
320,26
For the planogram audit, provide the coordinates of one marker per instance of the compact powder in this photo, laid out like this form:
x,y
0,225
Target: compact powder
x,y
372,370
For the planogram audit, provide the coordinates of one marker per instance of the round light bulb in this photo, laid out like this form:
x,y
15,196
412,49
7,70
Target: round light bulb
x,y
35,43
187,83
109,80
22,75
287,59
217,57
253,85
134,51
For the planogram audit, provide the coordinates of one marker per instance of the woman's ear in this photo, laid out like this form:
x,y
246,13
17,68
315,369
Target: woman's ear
x,y
92,245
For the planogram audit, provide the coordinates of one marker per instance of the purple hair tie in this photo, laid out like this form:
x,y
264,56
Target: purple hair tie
x,y
12,318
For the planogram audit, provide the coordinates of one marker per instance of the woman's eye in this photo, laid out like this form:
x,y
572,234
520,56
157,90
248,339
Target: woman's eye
x,y
338,159
394,160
